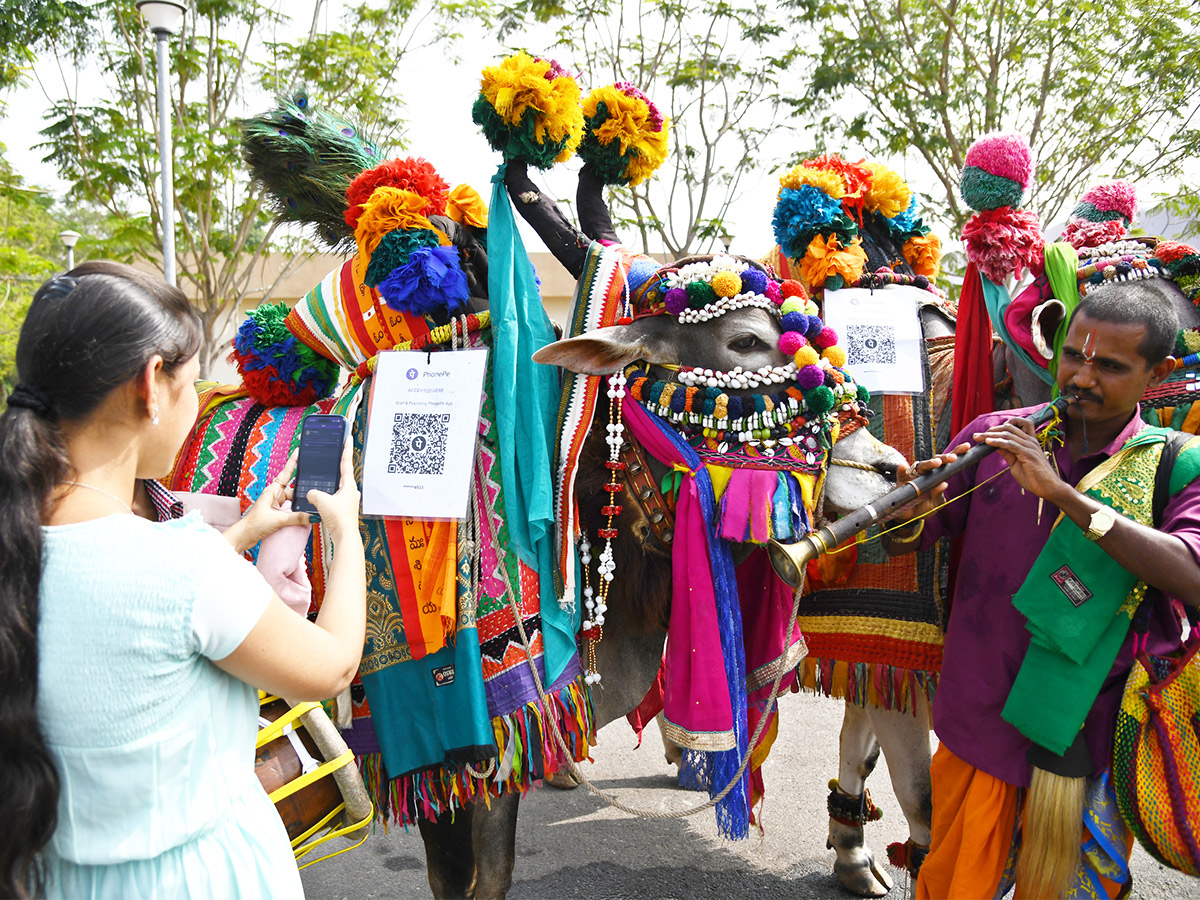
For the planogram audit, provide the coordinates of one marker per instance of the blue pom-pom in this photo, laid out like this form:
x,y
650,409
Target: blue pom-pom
x,y
754,280
800,211
795,321
814,327
734,407
677,401
431,281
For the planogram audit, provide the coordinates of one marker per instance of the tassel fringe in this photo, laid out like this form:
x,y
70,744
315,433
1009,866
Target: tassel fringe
x,y
528,753
867,684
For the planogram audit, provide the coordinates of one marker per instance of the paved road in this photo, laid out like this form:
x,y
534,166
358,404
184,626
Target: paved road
x,y
569,844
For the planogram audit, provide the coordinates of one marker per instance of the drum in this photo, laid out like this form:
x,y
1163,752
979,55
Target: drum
x,y
310,775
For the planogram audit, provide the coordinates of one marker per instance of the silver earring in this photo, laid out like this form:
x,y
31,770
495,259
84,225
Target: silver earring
x,y
154,415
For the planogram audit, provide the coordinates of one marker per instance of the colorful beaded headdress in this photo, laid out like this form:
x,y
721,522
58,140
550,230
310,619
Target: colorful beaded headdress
x,y
801,394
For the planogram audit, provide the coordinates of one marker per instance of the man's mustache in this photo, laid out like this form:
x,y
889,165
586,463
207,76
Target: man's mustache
x,y
1081,395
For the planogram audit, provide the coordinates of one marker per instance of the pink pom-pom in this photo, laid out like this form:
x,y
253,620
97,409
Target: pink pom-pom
x,y
1113,196
790,342
1003,153
810,377
827,338
773,291
676,301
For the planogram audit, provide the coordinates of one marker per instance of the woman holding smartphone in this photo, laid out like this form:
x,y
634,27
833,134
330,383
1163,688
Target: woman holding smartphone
x,y
130,649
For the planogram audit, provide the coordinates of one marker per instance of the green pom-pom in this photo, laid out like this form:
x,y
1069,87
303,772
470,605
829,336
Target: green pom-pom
x,y
394,250
835,283
700,294
981,190
516,141
864,396
819,400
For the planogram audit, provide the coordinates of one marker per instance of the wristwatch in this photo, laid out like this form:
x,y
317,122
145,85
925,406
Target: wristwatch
x,y
1101,523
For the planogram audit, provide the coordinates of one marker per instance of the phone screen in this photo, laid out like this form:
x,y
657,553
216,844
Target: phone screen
x,y
319,464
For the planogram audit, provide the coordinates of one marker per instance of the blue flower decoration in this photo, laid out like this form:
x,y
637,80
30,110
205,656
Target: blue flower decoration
x,y
800,213
431,281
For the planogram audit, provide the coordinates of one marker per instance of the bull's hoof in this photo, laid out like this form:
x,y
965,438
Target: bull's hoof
x,y
864,878
855,867
563,780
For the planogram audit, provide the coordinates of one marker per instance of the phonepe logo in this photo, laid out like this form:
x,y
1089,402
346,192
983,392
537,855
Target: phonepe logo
x,y
412,374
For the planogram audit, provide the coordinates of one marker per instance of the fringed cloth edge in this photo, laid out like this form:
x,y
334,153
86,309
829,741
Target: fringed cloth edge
x,y
431,792
866,684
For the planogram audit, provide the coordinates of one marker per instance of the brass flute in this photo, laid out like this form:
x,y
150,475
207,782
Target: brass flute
x,y
789,560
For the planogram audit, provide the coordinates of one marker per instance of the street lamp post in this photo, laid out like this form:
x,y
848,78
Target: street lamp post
x,y
164,18
726,240
70,239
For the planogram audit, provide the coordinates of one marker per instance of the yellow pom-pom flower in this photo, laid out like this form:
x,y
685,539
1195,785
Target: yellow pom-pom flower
x,y
633,124
836,356
726,284
790,305
823,179
519,86
811,308
888,193
806,356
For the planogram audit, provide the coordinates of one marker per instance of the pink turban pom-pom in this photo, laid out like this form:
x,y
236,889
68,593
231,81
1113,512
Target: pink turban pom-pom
x,y
1003,153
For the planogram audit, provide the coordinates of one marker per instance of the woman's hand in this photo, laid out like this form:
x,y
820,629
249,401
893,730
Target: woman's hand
x,y
339,511
267,515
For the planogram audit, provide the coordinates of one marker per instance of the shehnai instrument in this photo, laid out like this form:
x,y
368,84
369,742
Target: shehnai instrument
x,y
789,560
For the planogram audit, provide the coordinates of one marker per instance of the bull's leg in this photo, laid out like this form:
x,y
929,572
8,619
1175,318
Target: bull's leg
x,y
849,808
449,856
494,841
904,738
671,750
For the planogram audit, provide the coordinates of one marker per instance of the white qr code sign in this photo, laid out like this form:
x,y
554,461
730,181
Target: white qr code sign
x,y
881,333
422,424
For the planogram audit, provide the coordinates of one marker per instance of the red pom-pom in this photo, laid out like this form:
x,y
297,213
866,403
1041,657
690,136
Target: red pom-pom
x,y
411,174
625,320
1172,251
793,288
1081,233
267,388
1003,242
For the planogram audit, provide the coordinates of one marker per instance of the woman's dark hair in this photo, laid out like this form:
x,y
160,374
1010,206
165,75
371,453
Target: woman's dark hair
x,y
87,332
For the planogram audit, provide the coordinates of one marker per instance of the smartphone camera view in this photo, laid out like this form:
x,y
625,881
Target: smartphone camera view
x,y
319,464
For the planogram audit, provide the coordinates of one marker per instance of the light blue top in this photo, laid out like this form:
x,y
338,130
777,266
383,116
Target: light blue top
x,y
153,743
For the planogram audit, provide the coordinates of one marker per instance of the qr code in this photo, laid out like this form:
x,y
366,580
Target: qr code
x,y
870,345
418,444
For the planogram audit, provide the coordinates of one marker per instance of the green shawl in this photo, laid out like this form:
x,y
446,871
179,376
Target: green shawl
x,y
1079,601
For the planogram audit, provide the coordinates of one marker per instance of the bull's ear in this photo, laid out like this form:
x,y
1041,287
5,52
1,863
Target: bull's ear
x,y
608,350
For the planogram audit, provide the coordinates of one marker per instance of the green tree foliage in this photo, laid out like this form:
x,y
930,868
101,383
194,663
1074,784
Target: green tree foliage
x,y
712,69
1100,89
30,252
226,60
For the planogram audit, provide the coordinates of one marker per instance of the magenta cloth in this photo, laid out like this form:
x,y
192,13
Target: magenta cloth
x,y
986,638
1018,318
747,499
695,697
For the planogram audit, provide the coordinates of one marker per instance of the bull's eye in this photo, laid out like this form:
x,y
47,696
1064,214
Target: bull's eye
x,y
745,343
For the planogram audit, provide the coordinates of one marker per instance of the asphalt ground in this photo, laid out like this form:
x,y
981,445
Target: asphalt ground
x,y
570,844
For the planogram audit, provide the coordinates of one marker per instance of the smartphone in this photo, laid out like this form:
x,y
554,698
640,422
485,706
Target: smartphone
x,y
319,464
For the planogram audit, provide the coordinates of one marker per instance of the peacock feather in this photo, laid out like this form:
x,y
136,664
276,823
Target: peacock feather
x,y
305,159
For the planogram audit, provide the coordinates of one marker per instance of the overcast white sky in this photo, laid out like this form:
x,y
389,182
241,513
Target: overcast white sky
x,y
439,110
